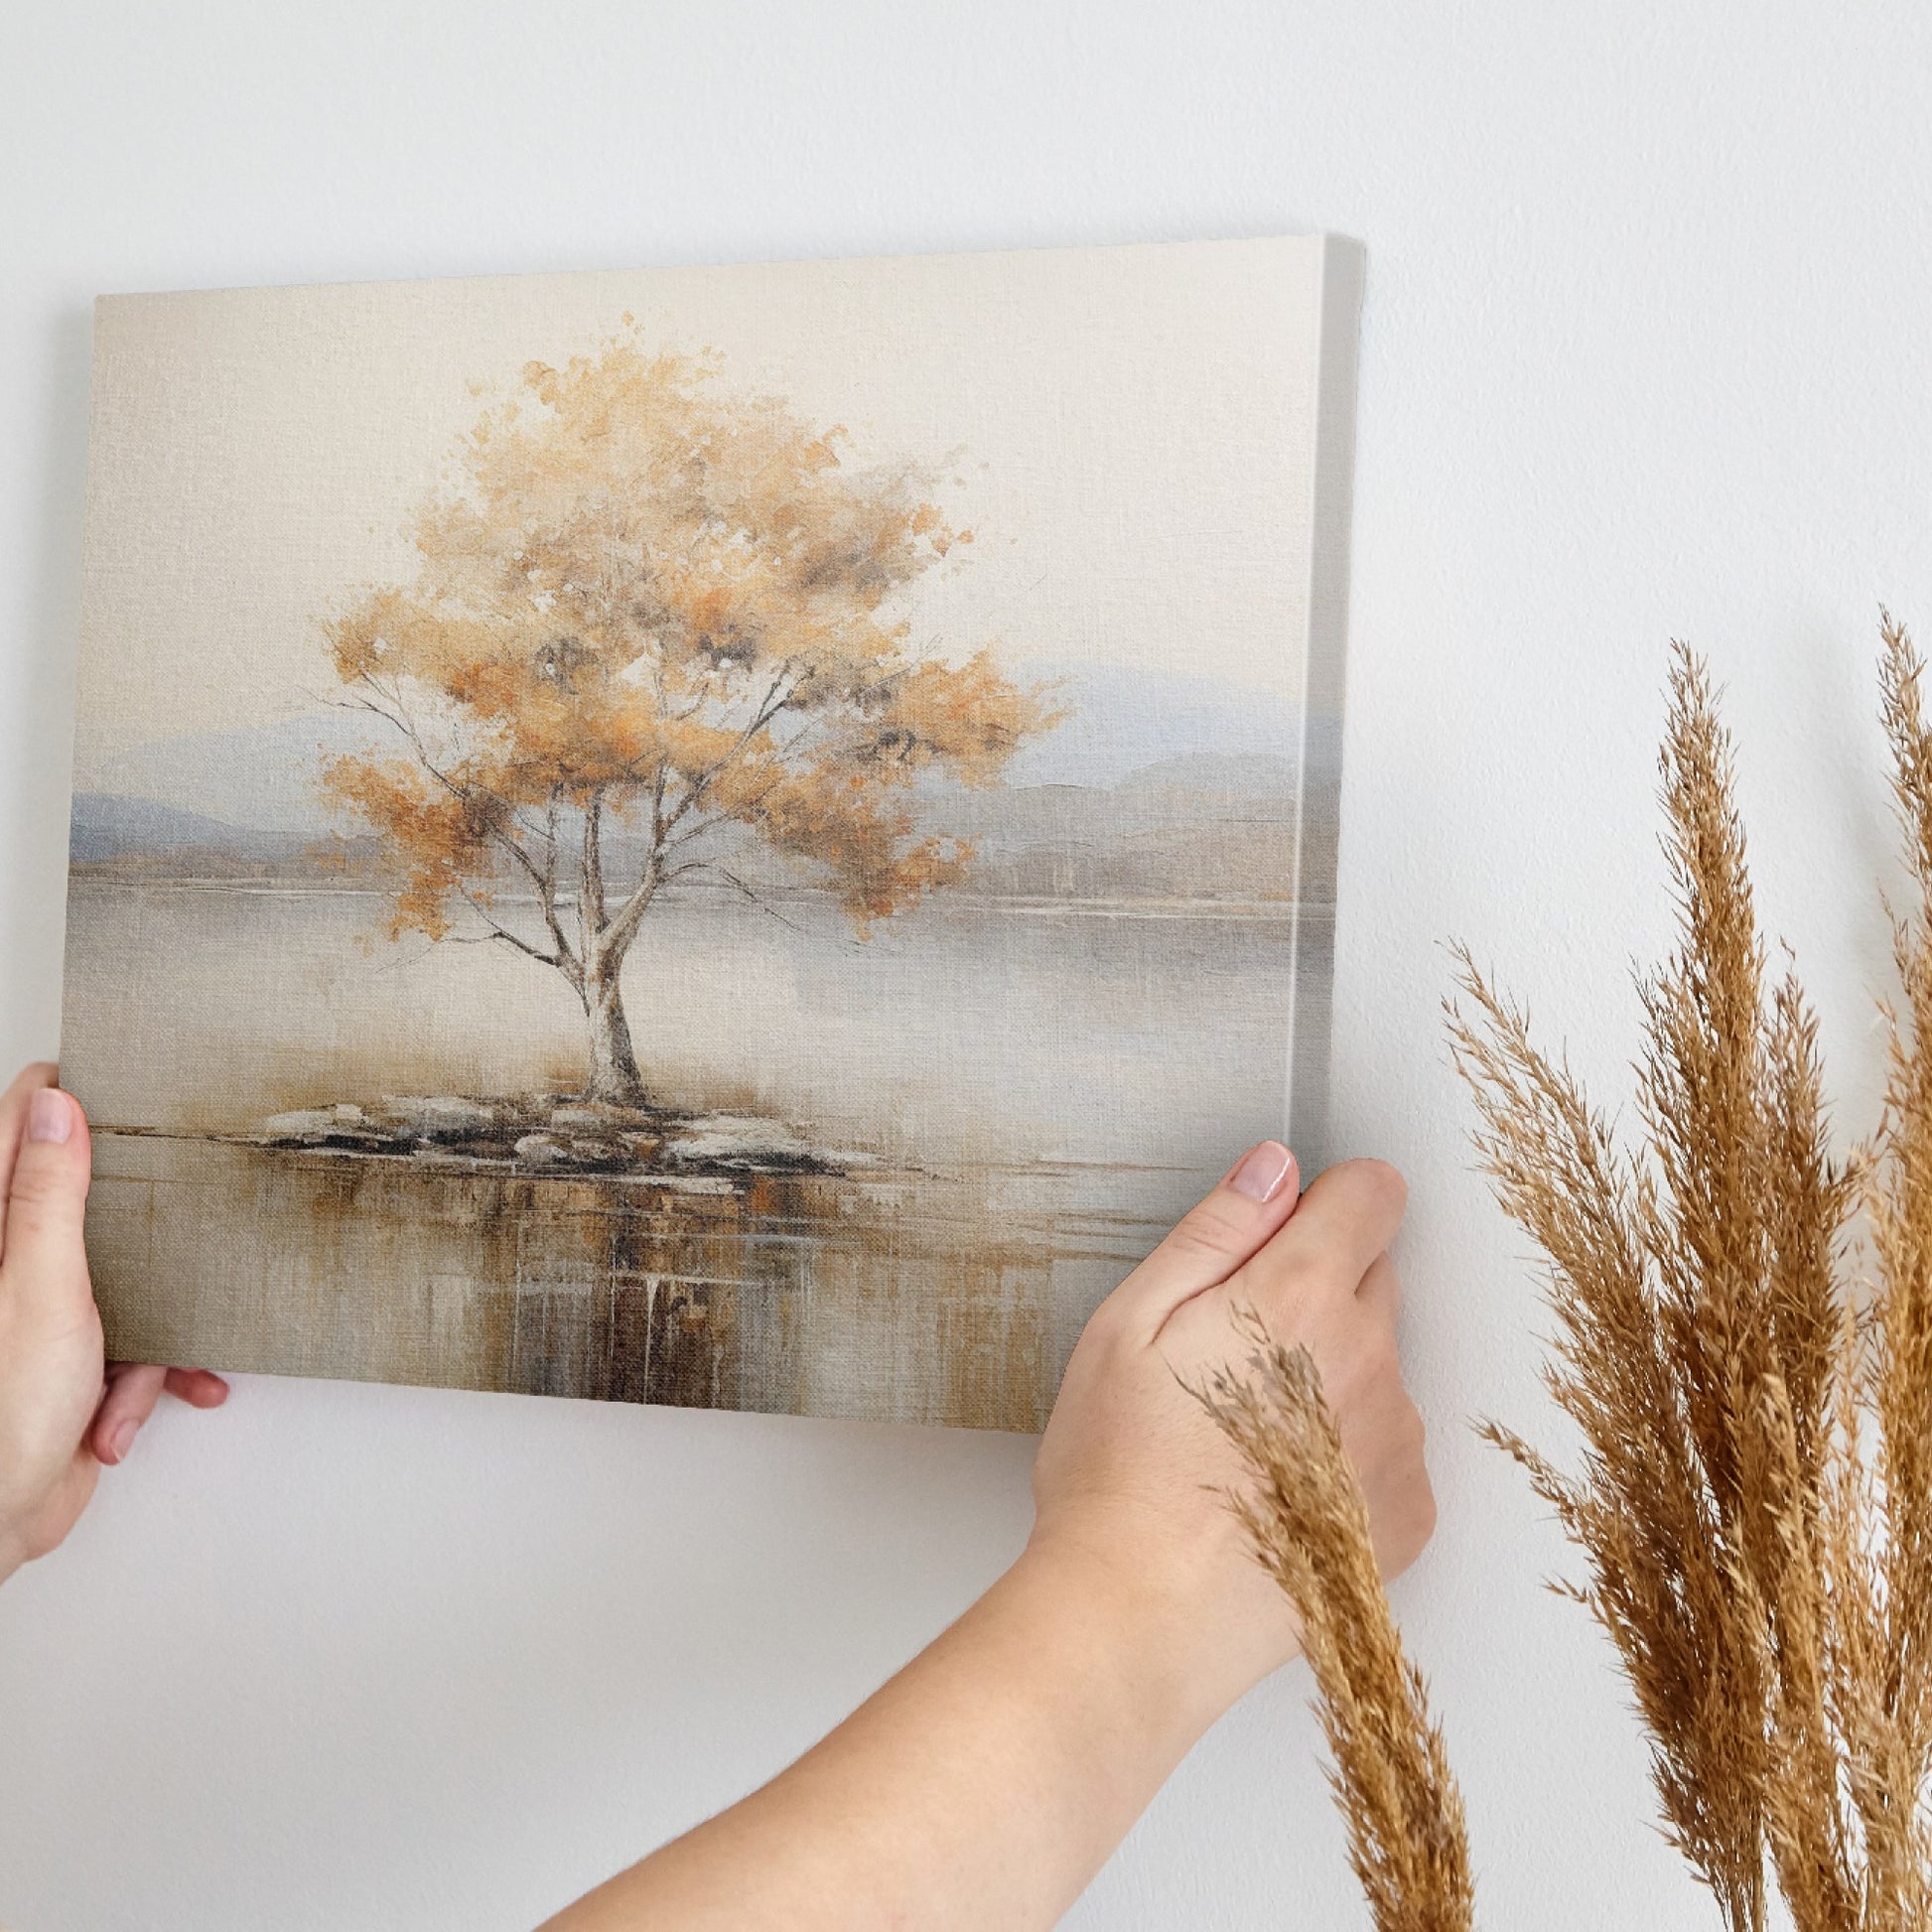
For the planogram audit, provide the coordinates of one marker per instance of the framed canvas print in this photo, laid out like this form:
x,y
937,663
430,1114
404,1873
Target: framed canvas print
x,y
743,837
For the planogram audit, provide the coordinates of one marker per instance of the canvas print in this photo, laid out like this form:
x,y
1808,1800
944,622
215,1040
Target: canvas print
x,y
739,837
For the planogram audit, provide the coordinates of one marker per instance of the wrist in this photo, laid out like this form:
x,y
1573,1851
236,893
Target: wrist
x,y
1162,1635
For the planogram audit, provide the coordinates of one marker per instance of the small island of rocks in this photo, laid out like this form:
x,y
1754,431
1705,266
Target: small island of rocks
x,y
555,1134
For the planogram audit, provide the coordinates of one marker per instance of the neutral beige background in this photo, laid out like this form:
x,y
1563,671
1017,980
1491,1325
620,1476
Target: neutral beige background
x,y
1125,431
1643,353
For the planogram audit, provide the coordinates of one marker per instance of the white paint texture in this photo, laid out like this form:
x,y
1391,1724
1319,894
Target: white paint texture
x,y
1644,353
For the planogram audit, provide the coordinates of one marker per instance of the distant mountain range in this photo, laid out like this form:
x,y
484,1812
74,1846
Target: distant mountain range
x,y
1155,787
105,827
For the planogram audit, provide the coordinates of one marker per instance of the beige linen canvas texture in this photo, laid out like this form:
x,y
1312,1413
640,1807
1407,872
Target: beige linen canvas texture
x,y
997,940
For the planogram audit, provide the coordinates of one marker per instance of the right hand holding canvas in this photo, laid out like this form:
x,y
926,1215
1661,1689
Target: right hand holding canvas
x,y
986,1783
1132,1476
65,1410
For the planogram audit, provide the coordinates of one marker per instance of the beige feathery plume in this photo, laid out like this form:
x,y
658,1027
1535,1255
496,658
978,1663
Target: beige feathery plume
x,y
1755,1497
1307,1519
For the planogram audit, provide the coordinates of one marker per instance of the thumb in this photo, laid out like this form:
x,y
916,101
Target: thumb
x,y
46,1258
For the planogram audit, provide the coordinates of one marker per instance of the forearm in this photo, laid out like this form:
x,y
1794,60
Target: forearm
x,y
983,1785
990,1779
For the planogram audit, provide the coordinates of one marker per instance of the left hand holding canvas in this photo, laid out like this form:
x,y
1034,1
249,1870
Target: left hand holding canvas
x,y
65,1410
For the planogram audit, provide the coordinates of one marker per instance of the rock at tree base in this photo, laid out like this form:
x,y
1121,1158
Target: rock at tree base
x,y
556,1134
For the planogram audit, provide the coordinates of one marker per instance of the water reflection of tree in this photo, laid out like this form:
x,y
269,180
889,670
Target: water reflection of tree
x,y
792,1293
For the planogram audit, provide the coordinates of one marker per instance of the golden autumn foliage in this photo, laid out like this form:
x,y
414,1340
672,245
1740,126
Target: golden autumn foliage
x,y
651,606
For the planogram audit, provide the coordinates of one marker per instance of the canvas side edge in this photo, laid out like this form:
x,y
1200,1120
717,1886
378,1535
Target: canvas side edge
x,y
710,264
90,540
1324,660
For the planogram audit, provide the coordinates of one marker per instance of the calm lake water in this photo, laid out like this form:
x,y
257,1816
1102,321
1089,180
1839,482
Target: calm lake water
x,y
1039,1093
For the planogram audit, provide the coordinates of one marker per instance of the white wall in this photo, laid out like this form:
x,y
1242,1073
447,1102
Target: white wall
x,y
1645,353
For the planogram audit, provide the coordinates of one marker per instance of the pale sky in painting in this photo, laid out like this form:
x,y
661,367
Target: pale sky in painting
x,y
1126,431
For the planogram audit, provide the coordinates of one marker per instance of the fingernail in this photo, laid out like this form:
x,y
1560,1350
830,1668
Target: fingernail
x,y
122,1439
1261,1175
49,1115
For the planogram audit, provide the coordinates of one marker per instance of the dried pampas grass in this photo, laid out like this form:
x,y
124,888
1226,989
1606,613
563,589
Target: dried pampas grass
x,y
1754,1495
1752,1388
1308,1522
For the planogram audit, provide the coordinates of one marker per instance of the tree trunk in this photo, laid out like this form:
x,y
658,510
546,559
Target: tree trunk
x,y
614,1078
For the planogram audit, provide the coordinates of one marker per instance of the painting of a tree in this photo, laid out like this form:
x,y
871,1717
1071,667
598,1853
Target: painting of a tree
x,y
659,621
578,883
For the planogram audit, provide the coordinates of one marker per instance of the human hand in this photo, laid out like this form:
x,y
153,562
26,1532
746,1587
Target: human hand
x,y
64,1411
1130,1474
1043,1719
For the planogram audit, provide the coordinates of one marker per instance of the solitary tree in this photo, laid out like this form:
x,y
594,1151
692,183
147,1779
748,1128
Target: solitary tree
x,y
654,621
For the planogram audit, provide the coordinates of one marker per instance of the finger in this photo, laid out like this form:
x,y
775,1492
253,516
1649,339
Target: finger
x,y
132,1390
1348,1216
197,1387
13,1125
1213,1239
1380,1294
44,1258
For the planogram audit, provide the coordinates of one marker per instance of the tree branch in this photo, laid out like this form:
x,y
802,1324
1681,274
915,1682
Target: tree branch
x,y
742,816
544,877
725,873
591,903
503,933
776,697
622,927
